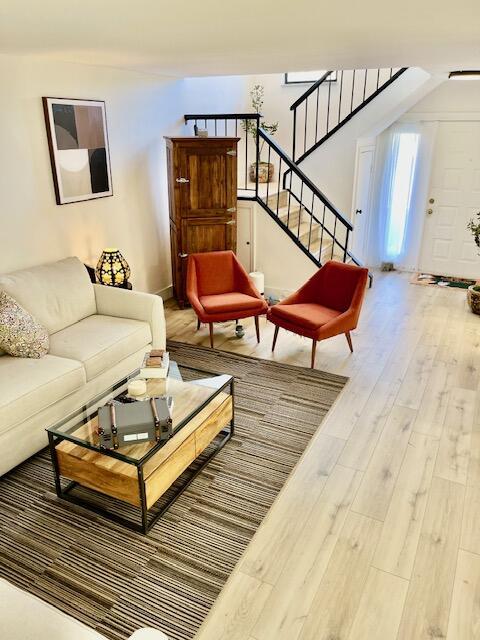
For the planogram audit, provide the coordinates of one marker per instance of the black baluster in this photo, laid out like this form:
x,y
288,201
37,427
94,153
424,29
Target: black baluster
x,y
321,236
225,127
289,199
378,78
300,212
345,252
328,105
215,121
316,115
236,127
306,120
294,132
268,182
278,186
311,222
365,85
353,90
246,155
340,98
334,236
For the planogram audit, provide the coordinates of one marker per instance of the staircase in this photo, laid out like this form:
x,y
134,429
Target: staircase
x,y
296,204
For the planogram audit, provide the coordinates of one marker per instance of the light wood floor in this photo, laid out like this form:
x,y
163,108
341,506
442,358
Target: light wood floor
x,y
376,535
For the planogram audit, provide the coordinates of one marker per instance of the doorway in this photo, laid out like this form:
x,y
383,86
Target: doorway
x,y
362,201
454,198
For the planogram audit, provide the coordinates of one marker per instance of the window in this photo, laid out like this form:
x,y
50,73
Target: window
x,y
404,156
308,77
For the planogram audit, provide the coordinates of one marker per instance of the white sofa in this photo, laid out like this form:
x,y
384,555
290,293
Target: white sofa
x,y
26,617
97,334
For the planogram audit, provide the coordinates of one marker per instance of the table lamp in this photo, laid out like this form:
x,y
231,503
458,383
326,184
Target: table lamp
x,y
112,268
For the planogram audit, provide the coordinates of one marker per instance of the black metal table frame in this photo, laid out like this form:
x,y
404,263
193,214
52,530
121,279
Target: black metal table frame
x,y
146,523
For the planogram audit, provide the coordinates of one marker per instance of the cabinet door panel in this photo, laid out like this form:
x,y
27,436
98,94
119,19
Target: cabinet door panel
x,y
211,189
208,234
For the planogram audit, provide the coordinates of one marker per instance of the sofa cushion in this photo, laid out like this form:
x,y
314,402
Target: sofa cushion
x,y
28,386
226,302
57,294
311,316
20,334
100,342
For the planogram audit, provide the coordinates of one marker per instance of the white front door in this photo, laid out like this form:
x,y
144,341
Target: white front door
x,y
448,248
361,208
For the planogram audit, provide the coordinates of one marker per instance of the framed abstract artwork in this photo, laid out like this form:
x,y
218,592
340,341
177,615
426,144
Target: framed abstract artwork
x,y
79,153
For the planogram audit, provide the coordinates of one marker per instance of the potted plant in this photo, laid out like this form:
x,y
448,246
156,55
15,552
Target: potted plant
x,y
473,293
265,169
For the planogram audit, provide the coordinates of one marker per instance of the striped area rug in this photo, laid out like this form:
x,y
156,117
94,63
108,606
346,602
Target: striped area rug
x,y
115,580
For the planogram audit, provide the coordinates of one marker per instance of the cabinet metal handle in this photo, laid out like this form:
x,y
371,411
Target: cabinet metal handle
x,y
183,255
182,180
231,152
231,222
231,210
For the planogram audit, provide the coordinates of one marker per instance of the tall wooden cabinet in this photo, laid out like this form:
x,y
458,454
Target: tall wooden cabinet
x,y
202,190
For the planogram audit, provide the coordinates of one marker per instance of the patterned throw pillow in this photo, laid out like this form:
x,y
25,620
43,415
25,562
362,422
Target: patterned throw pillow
x,y
20,334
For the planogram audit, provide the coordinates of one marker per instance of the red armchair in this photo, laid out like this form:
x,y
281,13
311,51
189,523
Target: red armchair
x,y
219,289
327,305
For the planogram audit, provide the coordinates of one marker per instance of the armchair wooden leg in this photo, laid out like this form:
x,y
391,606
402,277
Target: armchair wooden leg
x,y
349,340
275,336
257,328
198,324
314,349
210,326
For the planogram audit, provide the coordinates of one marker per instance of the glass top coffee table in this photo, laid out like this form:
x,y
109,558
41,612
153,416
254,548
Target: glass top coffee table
x,y
140,474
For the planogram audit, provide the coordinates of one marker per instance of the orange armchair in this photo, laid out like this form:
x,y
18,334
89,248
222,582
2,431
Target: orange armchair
x,y
327,305
219,289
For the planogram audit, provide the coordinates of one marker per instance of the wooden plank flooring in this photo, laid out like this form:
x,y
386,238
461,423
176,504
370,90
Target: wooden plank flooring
x,y
376,534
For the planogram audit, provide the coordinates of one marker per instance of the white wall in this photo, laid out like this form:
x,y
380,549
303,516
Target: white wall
x,y
141,109
453,97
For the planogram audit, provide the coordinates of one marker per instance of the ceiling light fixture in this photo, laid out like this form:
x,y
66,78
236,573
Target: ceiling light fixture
x,y
469,74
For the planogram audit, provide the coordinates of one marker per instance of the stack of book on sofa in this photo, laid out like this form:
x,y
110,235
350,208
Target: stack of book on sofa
x,y
155,364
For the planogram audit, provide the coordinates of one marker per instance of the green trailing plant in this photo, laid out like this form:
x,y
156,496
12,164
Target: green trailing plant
x,y
474,227
250,126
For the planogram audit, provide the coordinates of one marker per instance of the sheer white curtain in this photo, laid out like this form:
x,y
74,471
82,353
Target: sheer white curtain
x,y
401,187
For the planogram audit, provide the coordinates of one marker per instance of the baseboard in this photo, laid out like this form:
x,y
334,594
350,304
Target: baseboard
x,y
166,293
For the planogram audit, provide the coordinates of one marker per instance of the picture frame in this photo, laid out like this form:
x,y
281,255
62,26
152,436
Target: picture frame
x,y
79,151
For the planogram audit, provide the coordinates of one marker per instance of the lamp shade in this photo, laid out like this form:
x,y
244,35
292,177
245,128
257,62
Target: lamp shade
x,y
112,268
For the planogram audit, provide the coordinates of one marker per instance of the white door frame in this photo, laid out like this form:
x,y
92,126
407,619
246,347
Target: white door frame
x,y
365,144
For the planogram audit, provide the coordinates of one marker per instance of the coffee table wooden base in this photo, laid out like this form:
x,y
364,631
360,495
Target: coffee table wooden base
x,y
144,484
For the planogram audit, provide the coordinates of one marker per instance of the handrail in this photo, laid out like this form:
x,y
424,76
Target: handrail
x,y
223,116
304,178
332,110
310,90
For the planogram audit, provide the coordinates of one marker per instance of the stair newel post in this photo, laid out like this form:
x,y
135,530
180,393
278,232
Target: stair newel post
x,y
257,142
345,249
294,132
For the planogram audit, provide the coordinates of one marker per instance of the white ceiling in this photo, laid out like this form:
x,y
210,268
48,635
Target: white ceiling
x,y
207,37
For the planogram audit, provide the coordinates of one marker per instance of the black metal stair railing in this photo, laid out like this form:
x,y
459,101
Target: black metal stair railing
x,y
305,214
331,102
303,211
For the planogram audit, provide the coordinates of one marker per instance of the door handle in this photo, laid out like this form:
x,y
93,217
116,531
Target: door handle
x,y
358,211
429,212
182,180
183,255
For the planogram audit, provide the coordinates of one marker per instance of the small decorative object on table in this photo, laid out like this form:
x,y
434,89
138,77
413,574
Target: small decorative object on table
x,y
121,425
155,364
112,269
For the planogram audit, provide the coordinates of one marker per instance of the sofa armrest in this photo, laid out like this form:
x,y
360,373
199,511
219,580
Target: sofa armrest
x,y
135,305
148,634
